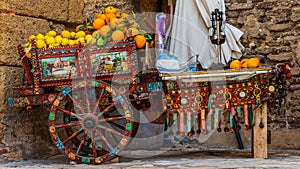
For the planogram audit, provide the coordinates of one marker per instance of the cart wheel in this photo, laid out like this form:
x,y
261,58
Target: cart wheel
x,y
102,122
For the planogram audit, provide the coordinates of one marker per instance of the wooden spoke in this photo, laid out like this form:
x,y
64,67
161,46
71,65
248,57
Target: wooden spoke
x,y
112,119
76,104
111,130
87,99
81,143
104,139
68,112
94,148
107,109
68,125
73,135
98,101
117,125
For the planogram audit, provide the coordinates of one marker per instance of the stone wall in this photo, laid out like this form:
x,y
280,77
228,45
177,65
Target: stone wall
x,y
272,33
25,135
271,30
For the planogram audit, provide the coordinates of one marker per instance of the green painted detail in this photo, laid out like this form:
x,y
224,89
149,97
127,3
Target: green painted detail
x,y
86,160
129,126
51,116
95,83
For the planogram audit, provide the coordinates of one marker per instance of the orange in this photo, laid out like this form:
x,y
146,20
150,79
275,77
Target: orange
x,y
253,62
104,30
117,35
101,15
124,15
133,32
110,10
244,63
140,41
98,23
109,17
235,64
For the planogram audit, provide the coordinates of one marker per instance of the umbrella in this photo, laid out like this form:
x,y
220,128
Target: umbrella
x,y
189,33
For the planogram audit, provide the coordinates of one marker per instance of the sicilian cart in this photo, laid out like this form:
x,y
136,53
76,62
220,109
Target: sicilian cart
x,y
95,94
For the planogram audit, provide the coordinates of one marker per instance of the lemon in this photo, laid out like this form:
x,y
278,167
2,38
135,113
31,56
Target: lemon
x,y
80,34
66,34
55,44
76,41
40,44
40,37
73,35
92,40
58,39
51,33
71,42
31,37
81,40
87,37
64,42
46,37
50,40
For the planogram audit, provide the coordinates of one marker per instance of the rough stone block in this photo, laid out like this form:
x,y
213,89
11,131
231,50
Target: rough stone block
x,y
9,77
282,57
54,10
279,27
241,6
75,8
285,139
15,30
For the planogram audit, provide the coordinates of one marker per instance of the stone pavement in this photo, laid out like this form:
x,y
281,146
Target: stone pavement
x,y
192,159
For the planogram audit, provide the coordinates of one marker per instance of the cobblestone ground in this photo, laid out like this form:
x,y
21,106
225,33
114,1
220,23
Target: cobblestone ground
x,y
175,159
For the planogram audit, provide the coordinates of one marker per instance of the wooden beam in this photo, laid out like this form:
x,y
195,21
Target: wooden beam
x,y
259,134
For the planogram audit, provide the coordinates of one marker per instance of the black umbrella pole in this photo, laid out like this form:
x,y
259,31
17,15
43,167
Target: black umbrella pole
x,y
237,134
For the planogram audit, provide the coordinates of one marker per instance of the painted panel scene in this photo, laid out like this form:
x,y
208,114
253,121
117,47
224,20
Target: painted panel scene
x,y
110,63
58,68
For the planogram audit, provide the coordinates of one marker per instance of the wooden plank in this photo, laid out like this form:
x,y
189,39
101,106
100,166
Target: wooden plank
x,y
259,135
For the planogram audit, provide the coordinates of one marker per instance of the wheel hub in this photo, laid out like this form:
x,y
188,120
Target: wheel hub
x,y
90,122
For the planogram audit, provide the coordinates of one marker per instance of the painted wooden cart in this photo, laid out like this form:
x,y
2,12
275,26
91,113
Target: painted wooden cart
x,y
95,96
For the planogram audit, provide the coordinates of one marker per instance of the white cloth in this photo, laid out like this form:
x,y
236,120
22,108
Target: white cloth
x,y
188,34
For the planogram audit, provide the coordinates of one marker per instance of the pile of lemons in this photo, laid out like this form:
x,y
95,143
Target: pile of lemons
x,y
52,39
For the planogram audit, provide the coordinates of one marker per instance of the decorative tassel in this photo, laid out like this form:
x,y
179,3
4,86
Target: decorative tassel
x,y
246,118
251,116
181,125
211,116
239,117
219,121
189,122
203,121
226,117
199,123
240,114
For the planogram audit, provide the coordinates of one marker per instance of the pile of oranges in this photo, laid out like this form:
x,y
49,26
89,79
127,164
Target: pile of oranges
x,y
107,26
112,26
245,63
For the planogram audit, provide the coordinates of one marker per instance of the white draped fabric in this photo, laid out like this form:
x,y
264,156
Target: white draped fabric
x,y
188,34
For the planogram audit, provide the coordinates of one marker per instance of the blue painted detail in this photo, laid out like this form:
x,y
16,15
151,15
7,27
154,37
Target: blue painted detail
x,y
120,98
32,70
59,145
154,86
113,152
10,102
149,87
66,91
